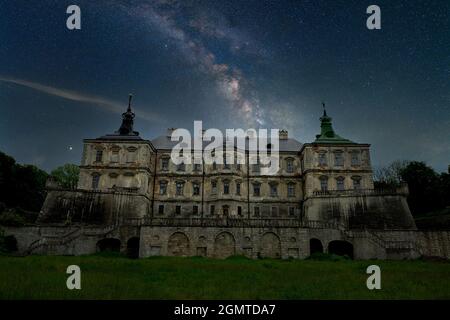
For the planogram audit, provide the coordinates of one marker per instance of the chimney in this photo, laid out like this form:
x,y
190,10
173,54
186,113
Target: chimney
x,y
283,134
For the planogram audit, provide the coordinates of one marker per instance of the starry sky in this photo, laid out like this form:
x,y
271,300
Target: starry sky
x,y
231,64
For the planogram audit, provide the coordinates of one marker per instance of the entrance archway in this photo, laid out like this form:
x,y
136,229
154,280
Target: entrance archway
x,y
341,248
315,246
133,248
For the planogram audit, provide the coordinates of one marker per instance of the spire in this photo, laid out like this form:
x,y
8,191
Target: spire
x,y
327,134
127,121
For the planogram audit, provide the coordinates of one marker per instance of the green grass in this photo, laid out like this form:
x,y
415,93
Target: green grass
x,y
117,277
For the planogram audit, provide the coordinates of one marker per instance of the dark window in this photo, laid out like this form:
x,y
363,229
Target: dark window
x,y
196,188
195,209
274,211
225,211
256,211
238,188
239,211
324,183
165,164
178,210
256,190
95,181
162,187
355,158
99,156
196,167
213,186
356,183
212,209
291,211
322,159
226,187
273,190
340,184
338,159
179,189
291,190
161,209
290,165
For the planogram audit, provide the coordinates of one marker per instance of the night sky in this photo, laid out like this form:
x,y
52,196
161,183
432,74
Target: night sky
x,y
232,64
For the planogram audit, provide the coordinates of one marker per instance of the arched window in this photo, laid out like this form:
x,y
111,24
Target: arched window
x,y
291,189
226,187
196,188
99,155
340,183
256,189
338,158
162,187
290,165
356,182
179,188
323,183
95,180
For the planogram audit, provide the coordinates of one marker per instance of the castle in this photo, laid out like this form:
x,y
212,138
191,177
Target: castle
x,y
131,197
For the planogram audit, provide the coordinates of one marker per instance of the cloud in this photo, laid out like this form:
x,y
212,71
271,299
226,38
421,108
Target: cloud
x,y
103,103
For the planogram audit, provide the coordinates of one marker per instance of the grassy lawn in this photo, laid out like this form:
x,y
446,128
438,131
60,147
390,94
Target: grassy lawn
x,y
117,277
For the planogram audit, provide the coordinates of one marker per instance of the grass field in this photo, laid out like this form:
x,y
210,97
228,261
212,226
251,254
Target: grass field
x,y
117,277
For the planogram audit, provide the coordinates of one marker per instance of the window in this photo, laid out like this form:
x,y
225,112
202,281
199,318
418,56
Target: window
x,y
214,186
291,211
239,211
131,154
162,187
256,211
355,158
197,167
340,184
256,168
214,167
238,167
179,188
274,211
161,209
195,210
99,156
181,167
238,188
324,183
196,188
178,210
322,159
356,183
291,190
273,190
225,210
165,164
290,165
95,181
256,189
338,159
226,187
212,208
115,154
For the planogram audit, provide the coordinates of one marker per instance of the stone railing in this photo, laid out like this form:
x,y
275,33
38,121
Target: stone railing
x,y
231,222
402,190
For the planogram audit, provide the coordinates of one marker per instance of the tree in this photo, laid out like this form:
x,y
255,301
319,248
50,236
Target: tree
x,y
390,176
424,187
67,175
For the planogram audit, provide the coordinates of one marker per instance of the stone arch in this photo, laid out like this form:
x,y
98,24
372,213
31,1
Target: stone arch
x,y
315,246
133,247
178,245
270,246
108,244
341,247
224,245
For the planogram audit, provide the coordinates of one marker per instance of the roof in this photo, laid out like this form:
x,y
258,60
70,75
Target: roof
x,y
285,145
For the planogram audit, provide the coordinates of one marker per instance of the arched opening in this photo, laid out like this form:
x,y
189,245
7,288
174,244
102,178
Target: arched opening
x,y
341,248
10,243
224,245
178,245
270,246
133,248
108,244
315,246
